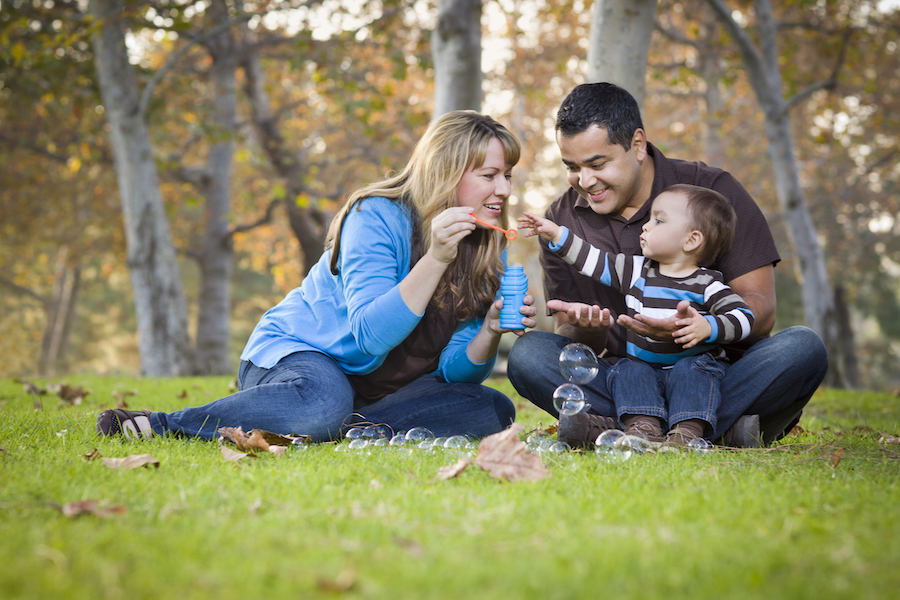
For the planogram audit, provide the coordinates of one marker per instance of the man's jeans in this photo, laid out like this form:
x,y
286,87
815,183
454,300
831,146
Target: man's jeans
x,y
690,389
774,379
307,393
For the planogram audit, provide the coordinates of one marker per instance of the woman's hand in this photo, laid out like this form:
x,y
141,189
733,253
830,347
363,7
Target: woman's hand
x,y
447,231
483,346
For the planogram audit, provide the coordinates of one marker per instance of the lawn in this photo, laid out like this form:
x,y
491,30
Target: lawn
x,y
816,516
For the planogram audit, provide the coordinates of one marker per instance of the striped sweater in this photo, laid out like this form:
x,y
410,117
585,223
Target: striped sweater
x,y
650,293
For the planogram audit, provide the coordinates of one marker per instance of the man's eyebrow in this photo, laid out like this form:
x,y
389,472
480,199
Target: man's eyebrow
x,y
589,160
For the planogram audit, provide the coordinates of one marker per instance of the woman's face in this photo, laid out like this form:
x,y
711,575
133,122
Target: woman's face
x,y
486,188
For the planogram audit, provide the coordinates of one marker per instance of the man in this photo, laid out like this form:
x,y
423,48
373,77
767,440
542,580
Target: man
x,y
615,174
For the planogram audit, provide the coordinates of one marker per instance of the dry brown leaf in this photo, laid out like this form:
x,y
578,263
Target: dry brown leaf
x,y
887,438
256,439
131,462
91,455
344,582
235,435
277,450
232,386
232,455
505,456
182,395
90,507
259,439
836,458
33,389
69,394
450,471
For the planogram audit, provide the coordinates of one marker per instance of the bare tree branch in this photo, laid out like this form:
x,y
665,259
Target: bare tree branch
x,y
25,291
826,84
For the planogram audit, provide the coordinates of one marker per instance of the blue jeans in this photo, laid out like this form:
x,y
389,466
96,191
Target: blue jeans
x,y
307,393
688,390
774,379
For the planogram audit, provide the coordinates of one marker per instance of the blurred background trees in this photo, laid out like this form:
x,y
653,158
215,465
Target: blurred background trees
x,y
261,117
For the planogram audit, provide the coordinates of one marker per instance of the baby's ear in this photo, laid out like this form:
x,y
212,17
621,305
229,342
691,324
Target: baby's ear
x,y
694,241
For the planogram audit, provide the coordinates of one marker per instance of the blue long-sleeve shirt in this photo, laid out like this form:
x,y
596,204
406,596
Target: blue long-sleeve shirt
x,y
358,316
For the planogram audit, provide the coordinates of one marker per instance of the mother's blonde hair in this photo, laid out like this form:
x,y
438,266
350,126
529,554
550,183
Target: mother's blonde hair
x,y
453,144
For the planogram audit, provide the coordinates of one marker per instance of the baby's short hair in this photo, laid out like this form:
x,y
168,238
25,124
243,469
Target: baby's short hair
x,y
712,214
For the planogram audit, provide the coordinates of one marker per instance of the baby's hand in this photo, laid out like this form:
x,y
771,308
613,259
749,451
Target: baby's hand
x,y
545,228
693,330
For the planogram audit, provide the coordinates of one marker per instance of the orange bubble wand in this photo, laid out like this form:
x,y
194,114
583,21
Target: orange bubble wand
x,y
510,234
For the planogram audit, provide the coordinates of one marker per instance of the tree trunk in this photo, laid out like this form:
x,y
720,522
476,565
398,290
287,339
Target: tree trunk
x,y
620,43
845,331
456,49
60,311
214,315
308,223
158,295
765,77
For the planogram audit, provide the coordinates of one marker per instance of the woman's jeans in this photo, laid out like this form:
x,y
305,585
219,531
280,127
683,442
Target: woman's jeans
x,y
774,379
690,389
307,393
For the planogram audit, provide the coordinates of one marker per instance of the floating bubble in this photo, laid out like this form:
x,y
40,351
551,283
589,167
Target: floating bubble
x,y
701,445
578,363
419,434
568,399
355,433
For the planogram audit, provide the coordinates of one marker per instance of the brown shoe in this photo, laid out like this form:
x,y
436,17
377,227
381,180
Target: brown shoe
x,y
744,433
581,430
645,426
686,434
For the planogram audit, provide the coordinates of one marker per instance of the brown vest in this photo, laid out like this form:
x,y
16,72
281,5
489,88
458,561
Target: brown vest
x,y
419,354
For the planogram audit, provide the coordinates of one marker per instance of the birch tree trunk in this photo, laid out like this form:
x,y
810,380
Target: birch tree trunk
x,y
456,49
214,316
620,43
155,279
765,77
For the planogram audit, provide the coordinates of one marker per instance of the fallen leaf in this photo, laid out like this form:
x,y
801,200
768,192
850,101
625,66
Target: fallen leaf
x,y
33,389
836,458
62,432
131,462
450,471
182,395
90,507
505,456
69,394
259,439
344,582
797,430
277,450
887,438
414,548
232,455
232,386
91,455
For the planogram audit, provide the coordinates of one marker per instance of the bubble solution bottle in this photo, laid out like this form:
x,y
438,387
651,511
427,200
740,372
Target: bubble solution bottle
x,y
513,287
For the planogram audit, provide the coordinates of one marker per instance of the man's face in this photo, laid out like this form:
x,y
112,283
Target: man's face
x,y
607,176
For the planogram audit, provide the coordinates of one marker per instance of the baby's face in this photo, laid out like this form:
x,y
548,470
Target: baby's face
x,y
669,227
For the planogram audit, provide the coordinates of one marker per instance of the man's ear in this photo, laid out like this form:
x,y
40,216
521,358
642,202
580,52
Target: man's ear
x,y
694,241
639,144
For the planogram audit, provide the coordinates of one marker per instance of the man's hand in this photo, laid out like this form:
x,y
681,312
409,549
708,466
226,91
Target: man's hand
x,y
658,329
583,316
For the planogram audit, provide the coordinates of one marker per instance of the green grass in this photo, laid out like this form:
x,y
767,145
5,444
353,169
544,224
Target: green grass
x,y
780,522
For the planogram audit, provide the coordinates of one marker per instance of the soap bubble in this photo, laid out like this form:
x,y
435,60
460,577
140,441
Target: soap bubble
x,y
438,442
578,363
610,437
701,446
456,442
381,442
613,446
417,435
358,444
611,454
636,443
299,444
399,440
568,399
376,432
355,433
558,448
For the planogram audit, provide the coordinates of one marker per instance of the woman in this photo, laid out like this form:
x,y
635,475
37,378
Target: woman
x,y
397,323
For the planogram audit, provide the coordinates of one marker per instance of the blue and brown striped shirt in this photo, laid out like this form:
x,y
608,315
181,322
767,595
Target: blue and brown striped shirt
x,y
650,293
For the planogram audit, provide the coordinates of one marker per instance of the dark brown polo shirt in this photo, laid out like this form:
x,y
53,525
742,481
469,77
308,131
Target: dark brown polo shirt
x,y
753,245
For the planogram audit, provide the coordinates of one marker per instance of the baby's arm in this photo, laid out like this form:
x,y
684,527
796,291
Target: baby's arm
x,y
693,330
545,228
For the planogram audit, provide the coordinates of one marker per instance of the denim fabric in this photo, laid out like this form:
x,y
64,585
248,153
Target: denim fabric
x,y
688,390
307,393
774,379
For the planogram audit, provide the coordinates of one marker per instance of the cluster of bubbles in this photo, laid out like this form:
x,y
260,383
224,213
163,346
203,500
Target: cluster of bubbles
x,y
364,439
578,365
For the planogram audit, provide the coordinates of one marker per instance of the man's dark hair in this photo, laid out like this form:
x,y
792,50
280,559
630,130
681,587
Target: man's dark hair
x,y
603,104
712,214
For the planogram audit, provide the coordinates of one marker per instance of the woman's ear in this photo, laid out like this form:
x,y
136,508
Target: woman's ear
x,y
694,241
